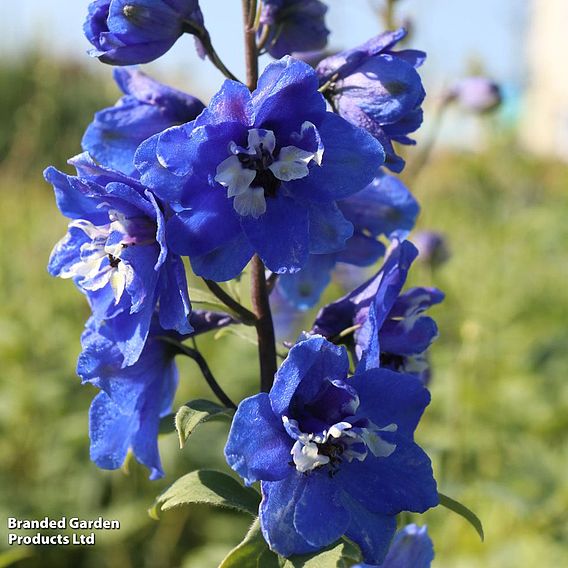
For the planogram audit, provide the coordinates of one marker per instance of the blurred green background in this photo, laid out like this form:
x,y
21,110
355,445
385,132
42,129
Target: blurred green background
x,y
496,428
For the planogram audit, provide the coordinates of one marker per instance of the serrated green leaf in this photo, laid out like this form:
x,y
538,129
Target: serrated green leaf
x,y
207,486
252,552
464,512
193,413
343,554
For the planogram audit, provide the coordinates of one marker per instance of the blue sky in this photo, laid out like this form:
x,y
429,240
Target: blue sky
x,y
455,33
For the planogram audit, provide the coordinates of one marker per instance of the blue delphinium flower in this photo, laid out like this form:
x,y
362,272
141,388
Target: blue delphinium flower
x,y
335,454
411,547
127,32
115,252
390,329
378,89
147,108
260,173
295,26
126,413
384,208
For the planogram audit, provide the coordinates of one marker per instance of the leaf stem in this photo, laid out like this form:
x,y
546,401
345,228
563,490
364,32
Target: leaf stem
x,y
247,317
203,36
195,354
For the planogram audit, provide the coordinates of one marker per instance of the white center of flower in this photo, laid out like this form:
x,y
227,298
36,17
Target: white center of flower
x,y
100,261
342,442
256,172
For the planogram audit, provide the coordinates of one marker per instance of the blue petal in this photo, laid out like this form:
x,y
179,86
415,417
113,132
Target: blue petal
x,y
401,482
351,160
131,331
153,20
303,289
153,174
279,499
287,96
67,251
361,250
408,338
107,426
371,531
384,207
225,262
211,224
179,106
320,516
388,397
411,546
308,364
115,134
175,306
72,201
232,103
369,351
280,236
258,447
329,230
174,148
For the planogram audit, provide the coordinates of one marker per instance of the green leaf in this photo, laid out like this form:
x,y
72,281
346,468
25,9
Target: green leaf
x,y
252,552
464,512
205,300
207,486
193,413
243,332
167,424
343,554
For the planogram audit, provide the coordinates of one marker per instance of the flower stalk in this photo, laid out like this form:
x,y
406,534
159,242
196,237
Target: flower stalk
x,y
259,288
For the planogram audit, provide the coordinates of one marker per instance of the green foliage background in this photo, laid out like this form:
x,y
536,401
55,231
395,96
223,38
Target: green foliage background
x,y
496,428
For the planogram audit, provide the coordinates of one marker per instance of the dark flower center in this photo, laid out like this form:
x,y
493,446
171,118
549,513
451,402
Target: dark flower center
x,y
114,261
260,163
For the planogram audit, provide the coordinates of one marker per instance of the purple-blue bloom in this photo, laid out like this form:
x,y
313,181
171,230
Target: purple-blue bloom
x,y
126,413
260,173
295,26
379,89
411,547
127,32
384,208
115,251
335,454
390,329
432,247
476,94
147,108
